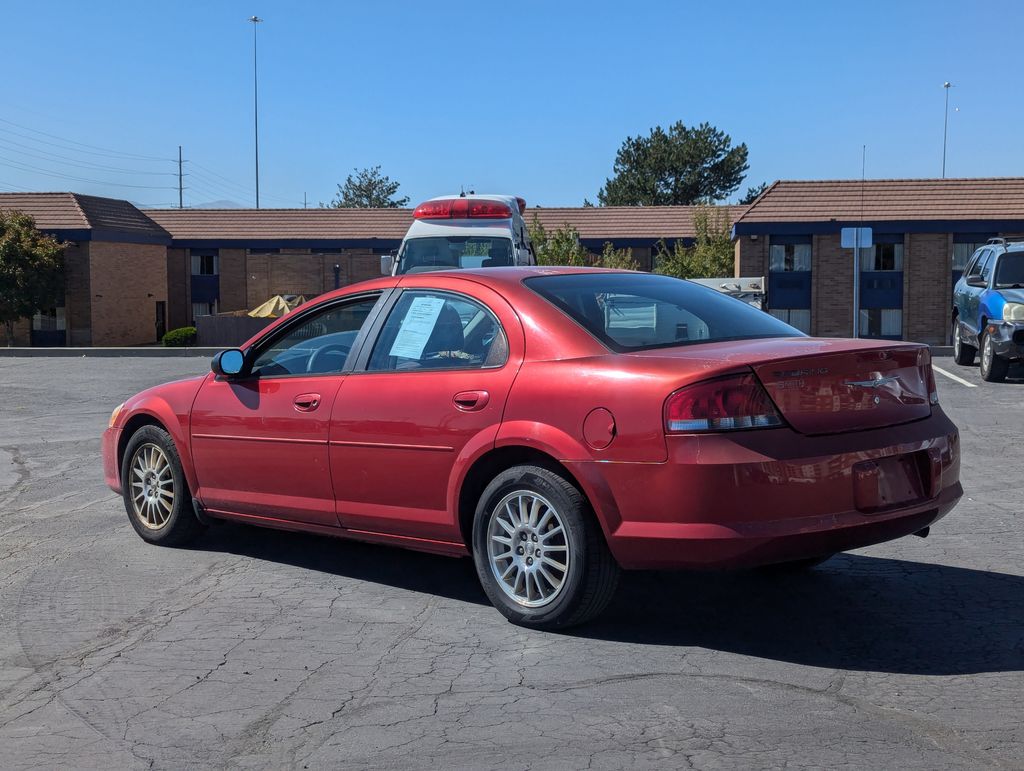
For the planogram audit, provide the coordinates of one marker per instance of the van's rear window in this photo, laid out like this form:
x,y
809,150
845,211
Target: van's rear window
x,y
639,311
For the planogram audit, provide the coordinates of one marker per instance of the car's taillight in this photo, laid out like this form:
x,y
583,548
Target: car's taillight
x,y
723,404
933,392
462,208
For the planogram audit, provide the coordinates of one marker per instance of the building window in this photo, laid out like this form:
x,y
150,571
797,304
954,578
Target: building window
x,y
881,322
203,309
882,257
51,320
205,263
795,317
789,257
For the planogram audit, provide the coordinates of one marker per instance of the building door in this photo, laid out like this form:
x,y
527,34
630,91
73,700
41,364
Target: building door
x,y
161,320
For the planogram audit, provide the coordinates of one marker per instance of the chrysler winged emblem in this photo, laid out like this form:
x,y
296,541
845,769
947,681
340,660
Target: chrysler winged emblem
x,y
877,382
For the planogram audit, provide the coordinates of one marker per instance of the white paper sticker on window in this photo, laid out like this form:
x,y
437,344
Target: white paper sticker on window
x,y
417,326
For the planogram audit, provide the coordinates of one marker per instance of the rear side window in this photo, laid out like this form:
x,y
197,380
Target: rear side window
x,y
438,330
636,311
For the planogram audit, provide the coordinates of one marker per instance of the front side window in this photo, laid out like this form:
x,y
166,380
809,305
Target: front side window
x,y
437,330
446,252
1010,271
979,264
633,311
986,264
882,257
789,257
319,344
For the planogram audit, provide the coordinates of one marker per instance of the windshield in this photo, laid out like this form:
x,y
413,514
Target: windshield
x,y
1010,271
636,311
445,252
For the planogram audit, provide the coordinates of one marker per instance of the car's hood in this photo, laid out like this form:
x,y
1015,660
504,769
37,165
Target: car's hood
x,y
1012,295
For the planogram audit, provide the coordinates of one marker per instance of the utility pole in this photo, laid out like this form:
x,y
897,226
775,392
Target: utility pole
x,y
304,200
945,126
180,197
256,105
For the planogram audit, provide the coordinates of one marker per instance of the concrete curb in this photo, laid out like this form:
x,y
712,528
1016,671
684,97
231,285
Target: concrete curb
x,y
143,352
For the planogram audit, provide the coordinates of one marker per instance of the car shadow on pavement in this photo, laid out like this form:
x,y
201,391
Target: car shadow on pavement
x,y
853,612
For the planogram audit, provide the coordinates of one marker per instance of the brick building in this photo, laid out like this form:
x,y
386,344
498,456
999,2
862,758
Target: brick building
x,y
115,268
924,232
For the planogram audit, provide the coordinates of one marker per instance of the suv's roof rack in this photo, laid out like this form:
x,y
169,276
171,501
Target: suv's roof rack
x,y
1006,240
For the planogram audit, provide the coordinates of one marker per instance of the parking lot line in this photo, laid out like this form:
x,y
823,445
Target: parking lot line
x,y
951,376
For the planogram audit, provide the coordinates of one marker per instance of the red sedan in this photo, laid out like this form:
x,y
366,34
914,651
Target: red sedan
x,y
556,424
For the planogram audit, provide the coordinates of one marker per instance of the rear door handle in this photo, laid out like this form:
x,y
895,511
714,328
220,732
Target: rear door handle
x,y
471,401
306,402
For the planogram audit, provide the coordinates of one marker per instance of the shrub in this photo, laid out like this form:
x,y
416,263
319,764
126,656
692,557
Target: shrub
x,y
179,338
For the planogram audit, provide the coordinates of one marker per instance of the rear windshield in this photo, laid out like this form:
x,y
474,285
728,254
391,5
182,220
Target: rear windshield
x,y
639,311
441,252
1010,270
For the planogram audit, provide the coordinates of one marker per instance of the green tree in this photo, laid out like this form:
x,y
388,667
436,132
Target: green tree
x,y
712,254
560,247
368,189
681,166
31,269
753,193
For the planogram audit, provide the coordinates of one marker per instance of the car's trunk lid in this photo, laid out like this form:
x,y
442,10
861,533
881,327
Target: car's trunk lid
x,y
824,386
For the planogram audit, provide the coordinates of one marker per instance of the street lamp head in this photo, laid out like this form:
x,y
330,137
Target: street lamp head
x,y
257,20
947,84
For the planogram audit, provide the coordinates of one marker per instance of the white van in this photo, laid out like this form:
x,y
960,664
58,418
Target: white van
x,y
464,231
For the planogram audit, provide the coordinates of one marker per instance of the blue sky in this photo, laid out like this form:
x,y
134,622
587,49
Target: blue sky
x,y
528,97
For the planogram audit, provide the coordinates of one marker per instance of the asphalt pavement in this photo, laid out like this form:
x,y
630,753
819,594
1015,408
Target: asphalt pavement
x,y
265,649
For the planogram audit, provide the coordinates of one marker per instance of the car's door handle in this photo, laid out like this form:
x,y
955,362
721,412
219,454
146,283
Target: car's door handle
x,y
306,402
471,401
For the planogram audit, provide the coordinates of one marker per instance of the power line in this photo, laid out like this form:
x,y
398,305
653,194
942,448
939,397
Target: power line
x,y
43,155
14,164
97,150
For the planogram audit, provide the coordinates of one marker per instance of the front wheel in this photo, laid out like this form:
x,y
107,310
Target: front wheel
x,y
993,366
539,553
156,495
963,354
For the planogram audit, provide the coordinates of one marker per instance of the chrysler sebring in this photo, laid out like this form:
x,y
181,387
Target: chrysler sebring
x,y
555,424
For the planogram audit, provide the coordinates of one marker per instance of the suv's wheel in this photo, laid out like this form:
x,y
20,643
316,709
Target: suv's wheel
x,y
993,367
539,553
156,495
963,354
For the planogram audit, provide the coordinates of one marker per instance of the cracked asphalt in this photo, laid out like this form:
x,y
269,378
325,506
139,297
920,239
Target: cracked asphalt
x,y
265,649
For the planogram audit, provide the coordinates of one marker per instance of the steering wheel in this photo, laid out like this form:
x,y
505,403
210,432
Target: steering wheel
x,y
319,352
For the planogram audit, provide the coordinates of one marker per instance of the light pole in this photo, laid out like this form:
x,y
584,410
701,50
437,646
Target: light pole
x,y
256,105
945,126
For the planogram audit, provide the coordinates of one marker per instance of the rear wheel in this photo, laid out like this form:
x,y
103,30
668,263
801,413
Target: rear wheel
x,y
993,367
963,354
156,495
539,553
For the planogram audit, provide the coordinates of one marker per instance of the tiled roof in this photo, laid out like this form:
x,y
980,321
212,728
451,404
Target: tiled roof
x,y
613,222
1000,198
75,212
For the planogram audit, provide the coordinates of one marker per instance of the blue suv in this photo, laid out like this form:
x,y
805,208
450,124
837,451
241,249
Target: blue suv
x,y
988,308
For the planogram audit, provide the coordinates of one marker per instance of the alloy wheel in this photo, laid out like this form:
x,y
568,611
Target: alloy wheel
x,y
152,486
986,355
528,548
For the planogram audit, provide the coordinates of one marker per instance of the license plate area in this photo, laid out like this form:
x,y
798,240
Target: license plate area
x,y
895,481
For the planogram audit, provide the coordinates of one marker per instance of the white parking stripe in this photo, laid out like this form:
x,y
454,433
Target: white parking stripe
x,y
951,376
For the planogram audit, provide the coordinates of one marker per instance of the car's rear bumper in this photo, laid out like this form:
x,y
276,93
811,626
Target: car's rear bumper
x,y
111,473
758,497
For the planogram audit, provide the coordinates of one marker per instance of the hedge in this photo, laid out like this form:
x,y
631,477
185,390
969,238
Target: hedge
x,y
179,338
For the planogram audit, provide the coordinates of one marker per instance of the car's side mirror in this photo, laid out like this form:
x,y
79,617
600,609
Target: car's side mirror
x,y
387,264
976,281
228,363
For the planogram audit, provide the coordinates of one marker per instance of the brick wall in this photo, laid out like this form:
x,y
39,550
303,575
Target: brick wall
x,y
831,288
234,279
77,295
298,271
179,288
927,294
127,280
751,256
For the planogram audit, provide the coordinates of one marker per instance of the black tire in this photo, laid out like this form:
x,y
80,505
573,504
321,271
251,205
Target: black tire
x,y
151,519
993,367
963,354
795,566
591,573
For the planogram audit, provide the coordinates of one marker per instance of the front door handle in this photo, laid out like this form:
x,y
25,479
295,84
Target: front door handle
x,y
471,401
306,402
